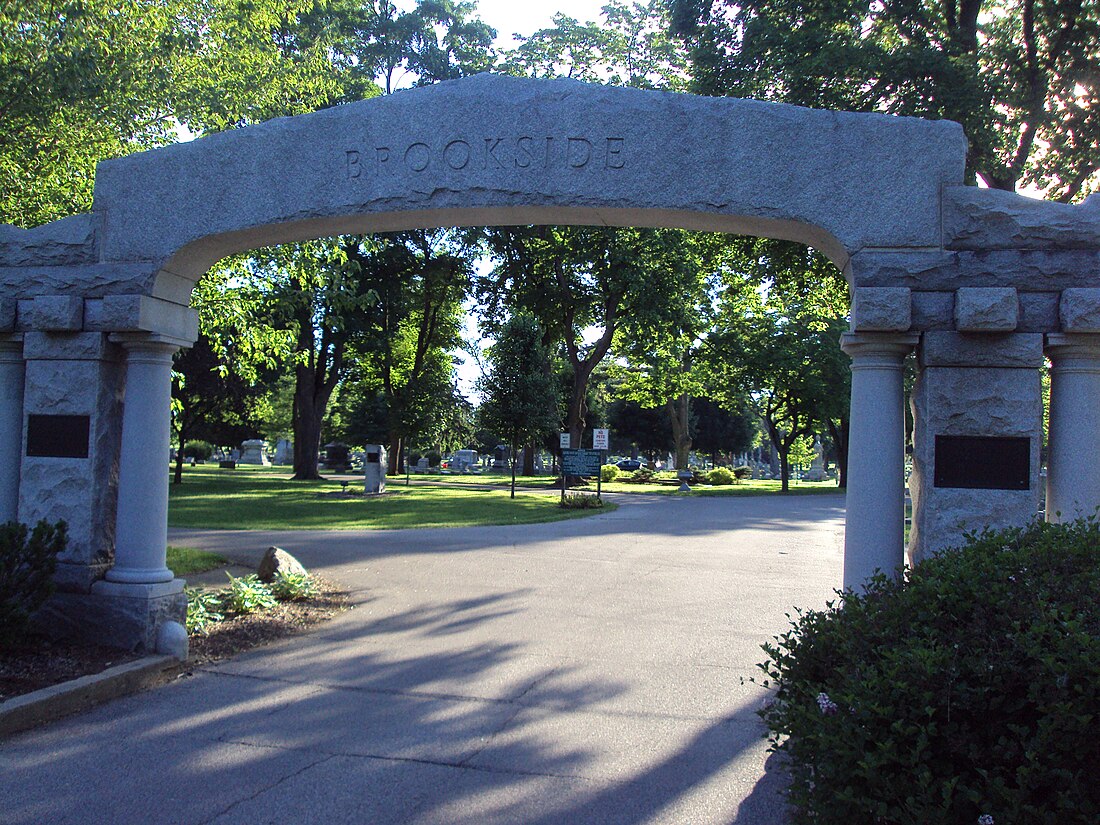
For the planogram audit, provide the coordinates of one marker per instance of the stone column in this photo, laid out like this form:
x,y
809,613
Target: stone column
x,y
12,376
141,531
1073,480
875,520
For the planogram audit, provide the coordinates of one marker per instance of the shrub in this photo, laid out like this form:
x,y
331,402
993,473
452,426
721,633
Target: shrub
x,y
248,595
581,501
640,476
719,476
28,560
741,473
970,689
293,587
198,449
434,458
203,610
609,472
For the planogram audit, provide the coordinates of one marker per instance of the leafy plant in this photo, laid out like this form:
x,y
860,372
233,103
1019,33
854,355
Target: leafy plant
x,y
608,472
581,501
293,587
203,610
640,476
198,449
248,594
721,475
969,689
28,560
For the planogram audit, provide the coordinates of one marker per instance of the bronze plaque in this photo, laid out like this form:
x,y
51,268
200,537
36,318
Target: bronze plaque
x,y
983,462
57,436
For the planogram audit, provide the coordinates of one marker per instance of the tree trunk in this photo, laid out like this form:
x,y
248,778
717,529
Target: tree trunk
x,y
307,439
838,431
393,460
515,454
529,458
178,478
679,414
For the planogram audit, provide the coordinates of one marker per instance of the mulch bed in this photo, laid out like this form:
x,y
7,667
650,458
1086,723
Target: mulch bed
x,y
240,633
39,663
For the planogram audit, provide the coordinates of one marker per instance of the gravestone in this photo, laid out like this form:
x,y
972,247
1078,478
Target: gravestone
x,y
374,469
817,465
284,452
254,451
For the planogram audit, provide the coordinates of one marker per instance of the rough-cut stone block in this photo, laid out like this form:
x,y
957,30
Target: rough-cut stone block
x,y
495,148
52,313
130,620
8,312
881,309
1024,270
1079,310
933,310
76,346
956,349
993,219
70,240
141,313
276,561
1038,312
970,402
87,281
986,309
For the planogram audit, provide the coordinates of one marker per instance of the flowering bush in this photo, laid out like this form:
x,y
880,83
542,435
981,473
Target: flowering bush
x,y
967,693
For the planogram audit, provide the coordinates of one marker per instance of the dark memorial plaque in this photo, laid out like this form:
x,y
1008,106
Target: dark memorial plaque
x,y
57,436
983,462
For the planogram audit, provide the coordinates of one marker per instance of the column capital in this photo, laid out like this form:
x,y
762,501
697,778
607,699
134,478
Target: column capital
x,y
878,348
1062,345
152,348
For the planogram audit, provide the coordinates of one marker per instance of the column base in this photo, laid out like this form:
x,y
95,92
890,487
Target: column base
x,y
126,616
138,575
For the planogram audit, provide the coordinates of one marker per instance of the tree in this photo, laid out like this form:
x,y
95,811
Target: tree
x,y
642,429
720,430
631,47
520,398
1019,75
420,279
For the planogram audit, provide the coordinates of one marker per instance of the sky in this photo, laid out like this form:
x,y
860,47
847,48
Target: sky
x,y
524,17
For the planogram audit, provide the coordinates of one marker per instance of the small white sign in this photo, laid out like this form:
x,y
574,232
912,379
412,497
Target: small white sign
x,y
599,440
563,441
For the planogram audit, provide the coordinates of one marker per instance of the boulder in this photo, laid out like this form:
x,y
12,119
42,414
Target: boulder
x,y
275,561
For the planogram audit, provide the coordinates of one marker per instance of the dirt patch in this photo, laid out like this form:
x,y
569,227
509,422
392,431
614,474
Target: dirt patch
x,y
240,633
39,663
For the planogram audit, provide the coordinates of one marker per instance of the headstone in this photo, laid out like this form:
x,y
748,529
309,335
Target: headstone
x,y
337,456
254,452
422,464
275,561
284,452
500,457
374,469
817,465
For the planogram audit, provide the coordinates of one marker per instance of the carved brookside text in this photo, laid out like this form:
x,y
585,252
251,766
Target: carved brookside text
x,y
523,152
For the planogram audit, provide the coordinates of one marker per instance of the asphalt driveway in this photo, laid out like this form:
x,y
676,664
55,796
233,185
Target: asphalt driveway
x,y
587,671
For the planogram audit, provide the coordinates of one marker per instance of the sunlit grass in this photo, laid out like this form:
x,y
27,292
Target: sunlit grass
x,y
185,561
749,487
260,499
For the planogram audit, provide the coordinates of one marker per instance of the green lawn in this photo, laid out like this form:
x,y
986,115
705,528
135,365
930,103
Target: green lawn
x,y
185,561
745,488
259,499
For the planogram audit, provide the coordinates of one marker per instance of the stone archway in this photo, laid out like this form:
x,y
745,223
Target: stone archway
x,y
96,304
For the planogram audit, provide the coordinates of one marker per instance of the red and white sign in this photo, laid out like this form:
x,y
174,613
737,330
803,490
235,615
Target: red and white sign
x,y
599,440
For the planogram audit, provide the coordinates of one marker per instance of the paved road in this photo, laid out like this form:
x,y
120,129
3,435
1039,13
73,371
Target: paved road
x,y
579,672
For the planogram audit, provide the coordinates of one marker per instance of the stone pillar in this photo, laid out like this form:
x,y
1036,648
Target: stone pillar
x,y
875,520
977,400
1073,464
141,527
12,376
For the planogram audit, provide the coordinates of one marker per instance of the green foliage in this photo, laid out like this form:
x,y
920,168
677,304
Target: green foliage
x,y
640,476
203,609
184,561
970,688
198,449
720,476
741,473
293,587
1019,75
608,472
581,501
248,594
28,560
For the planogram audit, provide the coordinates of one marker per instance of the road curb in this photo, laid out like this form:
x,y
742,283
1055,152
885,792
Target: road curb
x,y
45,705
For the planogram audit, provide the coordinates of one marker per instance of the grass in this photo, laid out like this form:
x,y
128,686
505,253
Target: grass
x,y
259,499
184,561
749,487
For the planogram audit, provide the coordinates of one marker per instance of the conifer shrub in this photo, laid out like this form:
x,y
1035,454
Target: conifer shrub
x,y
28,559
968,692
